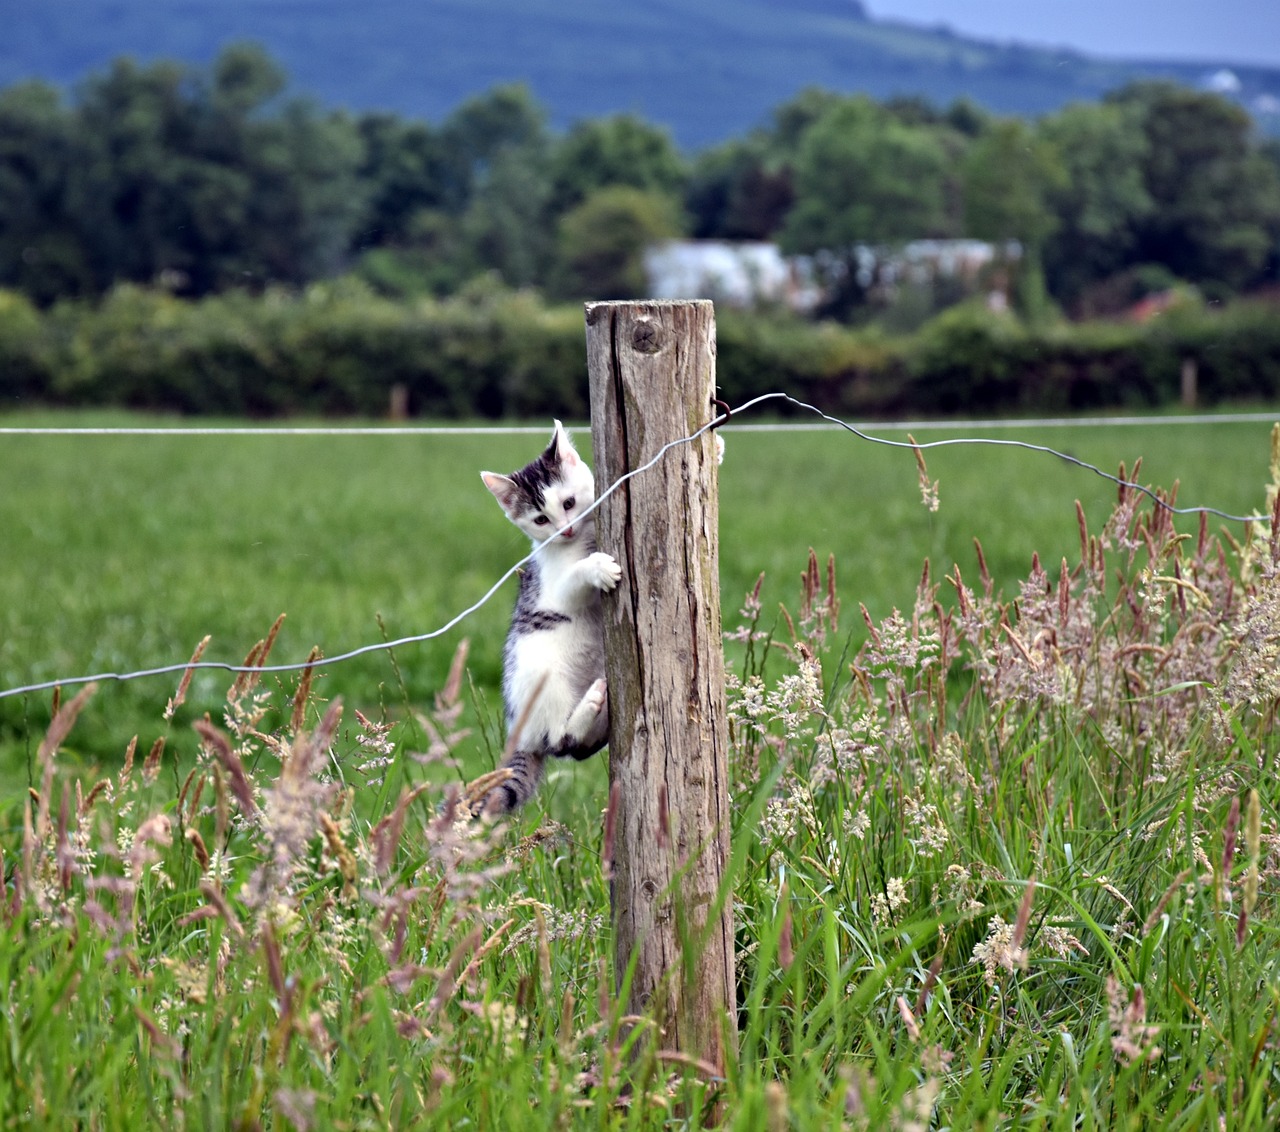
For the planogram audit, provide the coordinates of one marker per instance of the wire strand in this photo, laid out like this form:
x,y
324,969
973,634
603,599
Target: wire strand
x,y
1159,500
419,638
537,430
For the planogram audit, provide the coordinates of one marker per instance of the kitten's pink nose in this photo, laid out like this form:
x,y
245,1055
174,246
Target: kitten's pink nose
x,y
567,532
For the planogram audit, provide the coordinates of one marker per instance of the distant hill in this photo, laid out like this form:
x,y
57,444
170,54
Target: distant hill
x,y
707,69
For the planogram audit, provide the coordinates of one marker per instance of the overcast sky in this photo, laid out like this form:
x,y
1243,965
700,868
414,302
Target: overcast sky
x,y
1242,31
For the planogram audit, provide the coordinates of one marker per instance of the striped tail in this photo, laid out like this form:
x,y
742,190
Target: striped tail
x,y
508,787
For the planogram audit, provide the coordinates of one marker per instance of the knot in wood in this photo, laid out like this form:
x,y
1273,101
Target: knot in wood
x,y
646,338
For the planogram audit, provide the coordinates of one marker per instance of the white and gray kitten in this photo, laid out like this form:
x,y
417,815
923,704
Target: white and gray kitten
x,y
553,684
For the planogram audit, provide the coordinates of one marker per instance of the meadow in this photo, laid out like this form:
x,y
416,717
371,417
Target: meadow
x,y
996,864
123,552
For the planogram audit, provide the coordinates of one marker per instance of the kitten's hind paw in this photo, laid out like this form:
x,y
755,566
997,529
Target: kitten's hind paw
x,y
585,722
592,702
603,571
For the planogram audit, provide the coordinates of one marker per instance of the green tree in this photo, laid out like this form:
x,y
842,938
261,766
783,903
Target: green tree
x,y
150,201
1215,214
245,79
864,179
197,181
42,249
1008,176
506,228
502,119
794,118
307,200
967,118
737,192
601,242
1101,202
403,171
619,150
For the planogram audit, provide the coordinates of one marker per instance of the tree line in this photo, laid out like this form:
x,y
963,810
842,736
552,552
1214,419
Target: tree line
x,y
205,180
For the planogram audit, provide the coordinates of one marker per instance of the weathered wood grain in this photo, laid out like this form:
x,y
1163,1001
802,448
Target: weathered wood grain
x,y
652,371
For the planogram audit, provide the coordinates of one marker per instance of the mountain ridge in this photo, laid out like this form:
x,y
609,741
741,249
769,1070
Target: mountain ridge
x,y
706,69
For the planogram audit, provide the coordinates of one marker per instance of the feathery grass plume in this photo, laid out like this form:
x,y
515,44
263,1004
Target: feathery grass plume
x,y
1253,850
908,1018
198,848
126,767
1132,1037
297,715
283,988
926,988
928,487
214,740
375,739
1149,925
998,951
449,698
64,719
218,902
1254,678
246,682
786,955
819,603
162,1044
1020,925
486,949
63,854
297,1106
1229,839
103,785
348,867
199,778
449,977
385,836
1253,846
153,834
289,814
180,697
151,764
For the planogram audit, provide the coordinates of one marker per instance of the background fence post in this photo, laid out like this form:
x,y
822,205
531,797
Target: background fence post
x,y
652,370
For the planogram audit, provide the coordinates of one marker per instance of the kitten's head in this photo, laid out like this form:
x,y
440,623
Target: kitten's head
x,y
548,495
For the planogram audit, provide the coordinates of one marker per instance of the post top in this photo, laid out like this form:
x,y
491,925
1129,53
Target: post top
x,y
597,308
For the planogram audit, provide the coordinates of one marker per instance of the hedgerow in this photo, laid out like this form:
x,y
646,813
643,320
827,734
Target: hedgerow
x,y
337,348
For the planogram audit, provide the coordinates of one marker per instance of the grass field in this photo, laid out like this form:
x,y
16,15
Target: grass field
x,y
1039,893
121,553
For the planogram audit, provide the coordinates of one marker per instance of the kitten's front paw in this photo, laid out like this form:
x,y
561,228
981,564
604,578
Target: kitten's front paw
x,y
603,571
585,719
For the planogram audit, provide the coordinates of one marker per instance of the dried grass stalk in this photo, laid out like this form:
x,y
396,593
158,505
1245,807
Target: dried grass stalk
x,y
180,697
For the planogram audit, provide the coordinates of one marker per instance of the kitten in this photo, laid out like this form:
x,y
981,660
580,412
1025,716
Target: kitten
x,y
553,683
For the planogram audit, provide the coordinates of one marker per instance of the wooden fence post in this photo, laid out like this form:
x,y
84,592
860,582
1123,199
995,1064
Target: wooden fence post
x,y
652,371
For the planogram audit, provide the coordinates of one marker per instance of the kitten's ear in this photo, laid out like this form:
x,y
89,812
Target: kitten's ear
x,y
561,449
504,491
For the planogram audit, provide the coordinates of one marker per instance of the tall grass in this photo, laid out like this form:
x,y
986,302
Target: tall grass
x,y
1006,858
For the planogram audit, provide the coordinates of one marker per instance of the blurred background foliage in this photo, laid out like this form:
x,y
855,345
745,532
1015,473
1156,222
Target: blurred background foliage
x,y
190,239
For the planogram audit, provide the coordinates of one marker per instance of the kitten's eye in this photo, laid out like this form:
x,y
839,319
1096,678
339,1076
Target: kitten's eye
x,y
568,503
541,520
